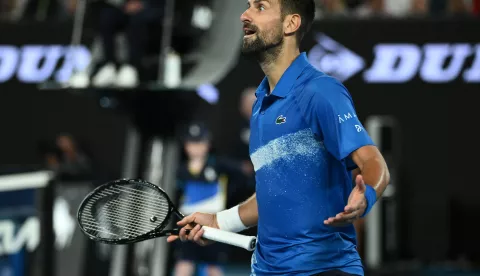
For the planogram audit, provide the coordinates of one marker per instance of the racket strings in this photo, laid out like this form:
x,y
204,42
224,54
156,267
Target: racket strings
x,y
126,213
125,217
121,219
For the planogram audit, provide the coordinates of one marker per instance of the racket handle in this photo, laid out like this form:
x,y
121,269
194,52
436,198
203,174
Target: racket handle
x,y
242,241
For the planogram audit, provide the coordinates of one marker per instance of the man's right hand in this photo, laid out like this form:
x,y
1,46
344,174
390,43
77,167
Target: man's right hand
x,y
194,223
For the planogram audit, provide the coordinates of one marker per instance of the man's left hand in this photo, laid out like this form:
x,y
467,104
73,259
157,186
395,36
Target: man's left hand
x,y
357,203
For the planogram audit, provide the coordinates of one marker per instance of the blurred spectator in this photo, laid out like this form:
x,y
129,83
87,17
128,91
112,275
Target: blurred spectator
x,y
399,8
73,162
202,187
245,184
50,154
371,8
329,8
64,156
41,10
12,10
247,100
420,7
135,18
395,8
460,7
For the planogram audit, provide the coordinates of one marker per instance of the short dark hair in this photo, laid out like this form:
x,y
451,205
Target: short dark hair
x,y
305,8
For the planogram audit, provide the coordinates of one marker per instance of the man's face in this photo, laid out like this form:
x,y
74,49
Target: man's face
x,y
262,25
65,143
197,149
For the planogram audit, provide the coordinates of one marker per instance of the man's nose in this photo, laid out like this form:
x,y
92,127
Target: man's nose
x,y
245,17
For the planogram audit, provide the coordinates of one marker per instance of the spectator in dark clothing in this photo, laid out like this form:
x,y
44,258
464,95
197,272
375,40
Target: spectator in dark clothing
x,y
50,154
46,10
203,184
245,184
65,157
246,104
73,163
136,18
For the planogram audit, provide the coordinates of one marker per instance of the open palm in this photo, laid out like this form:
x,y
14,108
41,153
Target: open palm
x,y
357,203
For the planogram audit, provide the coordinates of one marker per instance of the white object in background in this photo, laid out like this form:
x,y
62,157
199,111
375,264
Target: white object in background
x,y
63,223
127,77
106,76
202,17
374,242
173,70
398,7
22,181
79,80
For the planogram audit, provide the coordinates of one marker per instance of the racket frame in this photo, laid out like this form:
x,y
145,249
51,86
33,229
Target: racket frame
x,y
155,233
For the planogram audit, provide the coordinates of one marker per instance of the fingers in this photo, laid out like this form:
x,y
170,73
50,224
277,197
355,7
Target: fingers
x,y
356,201
172,238
195,234
360,183
343,218
182,234
194,231
187,223
350,208
198,238
186,220
193,223
339,224
348,217
355,204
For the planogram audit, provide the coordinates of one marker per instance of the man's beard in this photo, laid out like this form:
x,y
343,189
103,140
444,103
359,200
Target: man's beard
x,y
263,47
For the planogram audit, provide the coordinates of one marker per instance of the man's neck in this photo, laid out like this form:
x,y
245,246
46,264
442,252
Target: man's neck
x,y
275,64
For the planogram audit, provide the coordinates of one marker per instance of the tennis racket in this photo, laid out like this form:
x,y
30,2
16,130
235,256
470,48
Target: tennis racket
x,y
127,211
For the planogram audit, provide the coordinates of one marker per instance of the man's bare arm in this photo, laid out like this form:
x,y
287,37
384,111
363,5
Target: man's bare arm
x,y
373,168
369,185
248,211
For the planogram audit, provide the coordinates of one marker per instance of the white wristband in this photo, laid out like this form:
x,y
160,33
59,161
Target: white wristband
x,y
229,220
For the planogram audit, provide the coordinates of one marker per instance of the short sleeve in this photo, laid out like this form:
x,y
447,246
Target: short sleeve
x,y
333,118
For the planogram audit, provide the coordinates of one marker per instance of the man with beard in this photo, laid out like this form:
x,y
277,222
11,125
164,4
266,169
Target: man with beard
x,y
305,142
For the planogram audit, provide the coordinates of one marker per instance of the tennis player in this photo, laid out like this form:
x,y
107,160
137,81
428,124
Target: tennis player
x,y
306,141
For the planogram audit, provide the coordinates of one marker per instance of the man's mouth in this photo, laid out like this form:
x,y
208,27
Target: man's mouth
x,y
248,32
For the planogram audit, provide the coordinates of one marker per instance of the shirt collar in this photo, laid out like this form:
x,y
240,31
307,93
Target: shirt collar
x,y
287,80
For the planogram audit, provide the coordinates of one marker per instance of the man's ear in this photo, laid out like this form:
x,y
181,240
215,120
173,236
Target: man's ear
x,y
292,23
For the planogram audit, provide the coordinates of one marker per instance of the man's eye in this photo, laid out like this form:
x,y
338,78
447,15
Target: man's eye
x,y
261,7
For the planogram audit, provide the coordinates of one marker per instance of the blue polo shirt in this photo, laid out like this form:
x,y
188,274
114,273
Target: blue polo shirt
x,y
301,137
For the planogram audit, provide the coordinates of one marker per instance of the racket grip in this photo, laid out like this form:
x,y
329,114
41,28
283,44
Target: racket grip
x,y
242,241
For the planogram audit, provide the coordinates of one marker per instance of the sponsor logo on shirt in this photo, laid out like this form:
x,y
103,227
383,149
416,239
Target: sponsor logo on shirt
x,y
345,117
